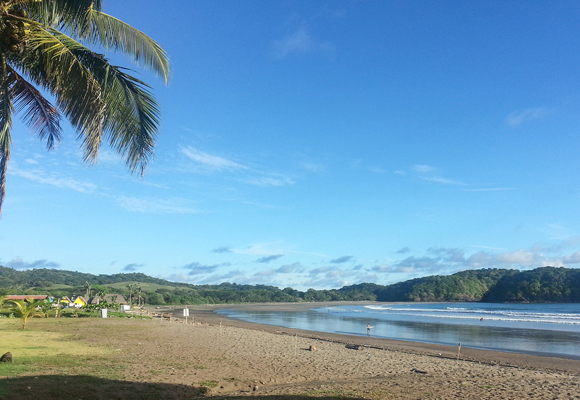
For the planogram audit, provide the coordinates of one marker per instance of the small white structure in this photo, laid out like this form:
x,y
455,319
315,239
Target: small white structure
x,y
103,313
125,307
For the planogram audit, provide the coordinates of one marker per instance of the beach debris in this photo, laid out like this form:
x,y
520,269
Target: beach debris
x,y
312,348
418,371
6,357
255,389
353,346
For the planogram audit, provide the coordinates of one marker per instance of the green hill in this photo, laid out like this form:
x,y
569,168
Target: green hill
x,y
546,284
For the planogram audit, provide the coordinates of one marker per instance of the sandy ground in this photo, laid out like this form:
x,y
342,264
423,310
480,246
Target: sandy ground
x,y
165,358
236,358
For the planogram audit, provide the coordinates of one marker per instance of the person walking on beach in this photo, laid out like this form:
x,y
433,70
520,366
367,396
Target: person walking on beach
x,y
369,329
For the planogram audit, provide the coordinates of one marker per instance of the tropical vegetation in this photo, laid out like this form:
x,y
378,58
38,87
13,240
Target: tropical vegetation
x,y
43,51
27,309
547,284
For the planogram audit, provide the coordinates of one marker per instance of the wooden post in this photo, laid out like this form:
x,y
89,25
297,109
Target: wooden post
x,y
296,344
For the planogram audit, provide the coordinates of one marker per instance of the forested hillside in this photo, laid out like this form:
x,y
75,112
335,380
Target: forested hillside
x,y
554,285
546,284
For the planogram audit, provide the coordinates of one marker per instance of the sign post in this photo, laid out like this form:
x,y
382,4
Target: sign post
x,y
186,314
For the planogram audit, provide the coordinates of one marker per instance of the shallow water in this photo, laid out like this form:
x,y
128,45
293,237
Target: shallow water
x,y
545,329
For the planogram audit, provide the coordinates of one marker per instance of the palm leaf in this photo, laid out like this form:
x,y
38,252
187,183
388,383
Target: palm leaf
x,y
60,13
96,96
6,109
113,33
39,114
55,61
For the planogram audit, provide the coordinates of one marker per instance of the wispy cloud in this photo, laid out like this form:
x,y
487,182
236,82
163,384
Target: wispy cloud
x,y
21,264
301,42
290,268
500,189
156,206
403,250
428,173
223,249
54,180
520,117
211,162
196,268
268,181
422,169
267,259
341,260
132,267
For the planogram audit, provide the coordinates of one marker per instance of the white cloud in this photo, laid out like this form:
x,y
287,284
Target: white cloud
x,y
54,180
428,173
443,181
519,257
488,190
518,118
301,42
423,168
156,206
573,258
267,181
210,162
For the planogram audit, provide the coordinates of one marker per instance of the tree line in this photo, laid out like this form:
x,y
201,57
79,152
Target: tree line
x,y
547,284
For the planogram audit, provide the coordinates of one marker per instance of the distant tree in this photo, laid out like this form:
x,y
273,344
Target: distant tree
x,y
87,287
132,288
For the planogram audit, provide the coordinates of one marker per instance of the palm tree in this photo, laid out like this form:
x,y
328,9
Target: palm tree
x,y
3,300
42,44
27,309
87,287
132,288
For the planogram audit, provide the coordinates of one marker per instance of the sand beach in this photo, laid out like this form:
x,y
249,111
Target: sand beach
x,y
251,359
225,358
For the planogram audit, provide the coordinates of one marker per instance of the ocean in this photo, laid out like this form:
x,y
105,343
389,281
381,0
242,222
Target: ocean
x,y
541,329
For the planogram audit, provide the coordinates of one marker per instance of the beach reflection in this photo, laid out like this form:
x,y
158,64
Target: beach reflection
x,y
554,343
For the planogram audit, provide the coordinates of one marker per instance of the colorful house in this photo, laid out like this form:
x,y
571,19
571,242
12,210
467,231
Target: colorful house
x,y
78,302
65,301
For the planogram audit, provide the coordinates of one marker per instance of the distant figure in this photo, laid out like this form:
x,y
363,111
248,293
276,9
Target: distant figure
x,y
481,319
369,329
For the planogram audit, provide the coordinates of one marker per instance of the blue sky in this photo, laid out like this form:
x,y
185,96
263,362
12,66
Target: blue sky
x,y
317,144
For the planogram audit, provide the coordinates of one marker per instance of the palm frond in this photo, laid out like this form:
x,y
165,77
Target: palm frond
x,y
39,114
97,97
113,33
6,109
131,114
55,61
132,127
60,13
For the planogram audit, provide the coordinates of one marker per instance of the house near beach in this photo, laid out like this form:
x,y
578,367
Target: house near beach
x,y
33,297
65,301
109,298
78,302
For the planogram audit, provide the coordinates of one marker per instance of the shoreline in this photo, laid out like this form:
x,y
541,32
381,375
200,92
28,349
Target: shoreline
x,y
208,314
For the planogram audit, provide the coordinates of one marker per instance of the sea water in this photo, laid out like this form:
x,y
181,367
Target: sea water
x,y
543,329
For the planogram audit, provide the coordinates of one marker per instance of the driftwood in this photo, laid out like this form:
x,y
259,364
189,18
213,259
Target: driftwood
x,y
354,346
415,370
